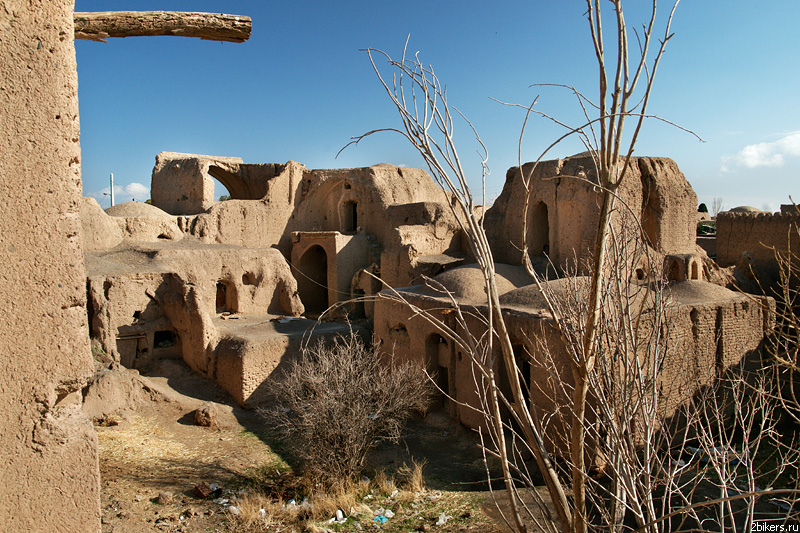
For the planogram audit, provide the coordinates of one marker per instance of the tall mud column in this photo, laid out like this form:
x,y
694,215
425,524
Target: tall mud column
x,y
49,470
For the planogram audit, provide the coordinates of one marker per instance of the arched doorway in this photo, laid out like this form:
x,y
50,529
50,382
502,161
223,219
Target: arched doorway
x,y
437,355
312,279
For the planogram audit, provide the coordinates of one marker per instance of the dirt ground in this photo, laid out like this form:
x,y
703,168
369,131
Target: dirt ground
x,y
153,455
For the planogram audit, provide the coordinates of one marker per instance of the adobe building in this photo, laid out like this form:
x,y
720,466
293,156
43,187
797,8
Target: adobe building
x,y
48,448
232,287
709,327
564,212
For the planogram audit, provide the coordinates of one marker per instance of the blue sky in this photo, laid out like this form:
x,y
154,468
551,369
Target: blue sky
x,y
299,89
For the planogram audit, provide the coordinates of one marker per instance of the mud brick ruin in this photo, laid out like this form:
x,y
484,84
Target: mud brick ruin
x,y
233,288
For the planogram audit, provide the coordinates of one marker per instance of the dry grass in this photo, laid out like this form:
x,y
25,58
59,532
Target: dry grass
x,y
383,484
258,513
359,501
412,476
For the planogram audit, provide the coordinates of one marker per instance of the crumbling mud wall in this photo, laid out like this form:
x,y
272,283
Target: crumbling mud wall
x,y
48,448
750,240
565,209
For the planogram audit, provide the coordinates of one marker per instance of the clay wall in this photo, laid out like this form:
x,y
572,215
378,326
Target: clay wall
x,y
324,263
181,184
750,240
565,207
261,222
48,448
157,301
704,339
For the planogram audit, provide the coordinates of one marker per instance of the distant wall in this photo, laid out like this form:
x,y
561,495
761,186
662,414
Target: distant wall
x,y
48,449
751,239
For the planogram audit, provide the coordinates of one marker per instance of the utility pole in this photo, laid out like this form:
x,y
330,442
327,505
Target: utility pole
x,y
112,189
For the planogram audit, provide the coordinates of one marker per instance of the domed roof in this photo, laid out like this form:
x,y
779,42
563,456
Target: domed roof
x,y
746,209
135,209
531,297
693,292
467,285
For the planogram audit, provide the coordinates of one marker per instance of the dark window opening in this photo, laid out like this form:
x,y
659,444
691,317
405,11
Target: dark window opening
x,y
695,273
539,230
350,217
165,237
222,297
674,271
137,315
248,278
164,339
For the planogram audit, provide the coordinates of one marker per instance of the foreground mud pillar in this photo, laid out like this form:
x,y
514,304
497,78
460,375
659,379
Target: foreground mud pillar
x,y
48,450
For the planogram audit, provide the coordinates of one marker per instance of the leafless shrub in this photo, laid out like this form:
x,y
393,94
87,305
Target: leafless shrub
x,y
338,401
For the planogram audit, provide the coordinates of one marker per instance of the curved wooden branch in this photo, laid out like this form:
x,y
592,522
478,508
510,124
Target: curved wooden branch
x,y
209,26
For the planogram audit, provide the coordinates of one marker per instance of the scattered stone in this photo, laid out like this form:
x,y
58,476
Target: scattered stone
x,y
191,511
164,497
207,415
203,490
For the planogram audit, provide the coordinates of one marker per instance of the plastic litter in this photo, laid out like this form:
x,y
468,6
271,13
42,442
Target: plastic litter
x,y
233,509
388,513
443,518
380,519
262,513
340,518
379,511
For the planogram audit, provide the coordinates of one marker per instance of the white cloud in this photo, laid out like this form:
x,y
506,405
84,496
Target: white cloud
x,y
767,154
138,191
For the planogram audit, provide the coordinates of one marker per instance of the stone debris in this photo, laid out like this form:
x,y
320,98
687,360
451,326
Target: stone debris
x,y
207,416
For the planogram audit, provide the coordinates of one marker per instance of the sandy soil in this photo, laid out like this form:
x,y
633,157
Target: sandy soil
x,y
155,448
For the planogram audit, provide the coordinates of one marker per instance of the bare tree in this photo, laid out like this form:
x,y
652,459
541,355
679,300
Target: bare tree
x,y
717,206
604,378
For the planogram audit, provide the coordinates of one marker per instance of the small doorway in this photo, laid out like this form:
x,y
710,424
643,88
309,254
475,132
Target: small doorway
x,y
312,279
349,217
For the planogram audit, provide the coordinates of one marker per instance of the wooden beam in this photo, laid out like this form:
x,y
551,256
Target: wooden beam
x,y
209,26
